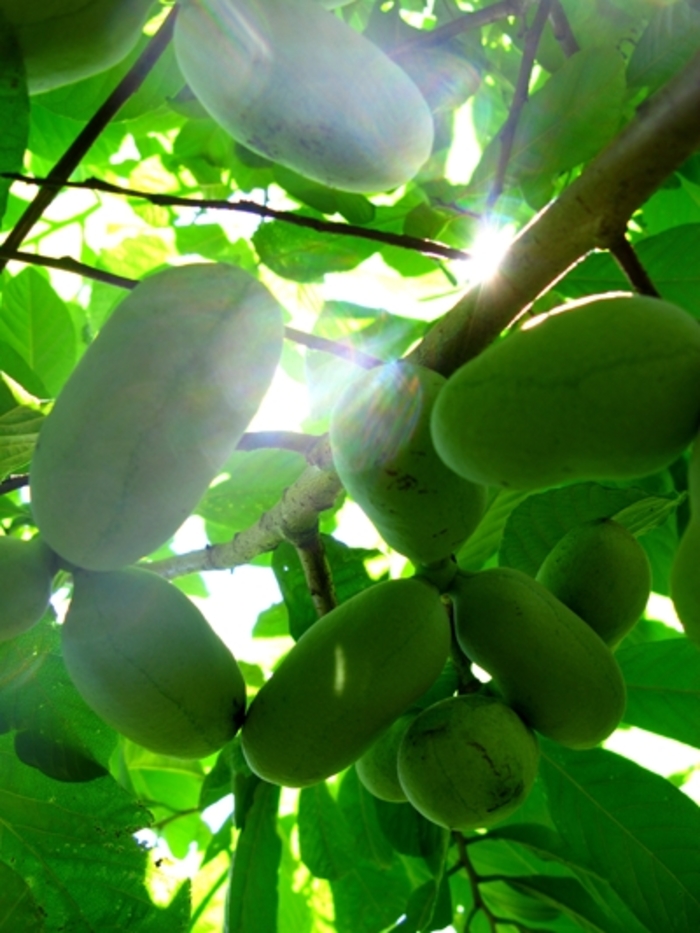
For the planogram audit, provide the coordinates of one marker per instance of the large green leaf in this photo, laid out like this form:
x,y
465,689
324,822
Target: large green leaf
x,y
75,843
252,896
37,325
663,688
18,907
669,40
19,429
368,898
631,827
325,840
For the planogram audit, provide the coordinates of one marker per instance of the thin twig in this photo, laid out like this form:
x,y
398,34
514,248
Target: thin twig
x,y
72,157
562,30
278,440
317,570
627,259
416,244
313,341
466,23
520,96
12,483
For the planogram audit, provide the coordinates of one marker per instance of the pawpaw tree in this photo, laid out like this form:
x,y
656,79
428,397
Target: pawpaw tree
x,y
300,300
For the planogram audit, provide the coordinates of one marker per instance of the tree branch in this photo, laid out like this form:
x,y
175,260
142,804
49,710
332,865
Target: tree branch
x,y
72,157
416,244
591,213
465,23
278,440
562,30
509,129
317,570
627,259
13,482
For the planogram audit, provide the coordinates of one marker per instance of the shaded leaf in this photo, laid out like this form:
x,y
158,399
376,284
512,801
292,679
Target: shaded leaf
x,y
75,842
368,898
14,110
325,841
663,688
18,907
19,429
252,896
357,806
633,828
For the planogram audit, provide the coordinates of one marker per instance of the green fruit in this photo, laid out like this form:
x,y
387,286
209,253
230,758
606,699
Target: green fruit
x,y
294,83
602,573
380,438
26,572
551,667
685,572
468,762
605,388
145,659
63,41
345,681
152,411
377,769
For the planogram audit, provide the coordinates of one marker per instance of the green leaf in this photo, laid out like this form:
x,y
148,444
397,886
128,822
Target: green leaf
x,y
411,834
257,479
18,907
571,898
19,429
14,110
252,897
357,806
368,898
670,39
535,526
633,828
37,696
663,688
486,540
325,841
347,571
272,622
38,326
306,255
567,121
75,842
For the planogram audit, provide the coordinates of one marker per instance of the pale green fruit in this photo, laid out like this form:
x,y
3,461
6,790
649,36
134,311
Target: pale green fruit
x,y
63,41
345,681
602,573
152,411
605,388
145,659
468,762
550,666
295,83
382,450
377,769
26,572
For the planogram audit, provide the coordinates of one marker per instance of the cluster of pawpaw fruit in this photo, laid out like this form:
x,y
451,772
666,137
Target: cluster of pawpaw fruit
x,y
156,405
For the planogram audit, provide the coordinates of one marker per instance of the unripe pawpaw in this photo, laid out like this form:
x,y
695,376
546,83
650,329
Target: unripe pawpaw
x,y
293,82
152,411
377,769
145,659
382,450
345,681
468,762
26,571
602,573
685,572
604,388
63,41
551,667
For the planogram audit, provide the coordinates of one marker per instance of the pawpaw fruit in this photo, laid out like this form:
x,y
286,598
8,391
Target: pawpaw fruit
x,y
145,659
548,664
377,768
685,571
26,572
345,681
468,762
604,388
152,411
294,83
383,453
602,573
63,41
